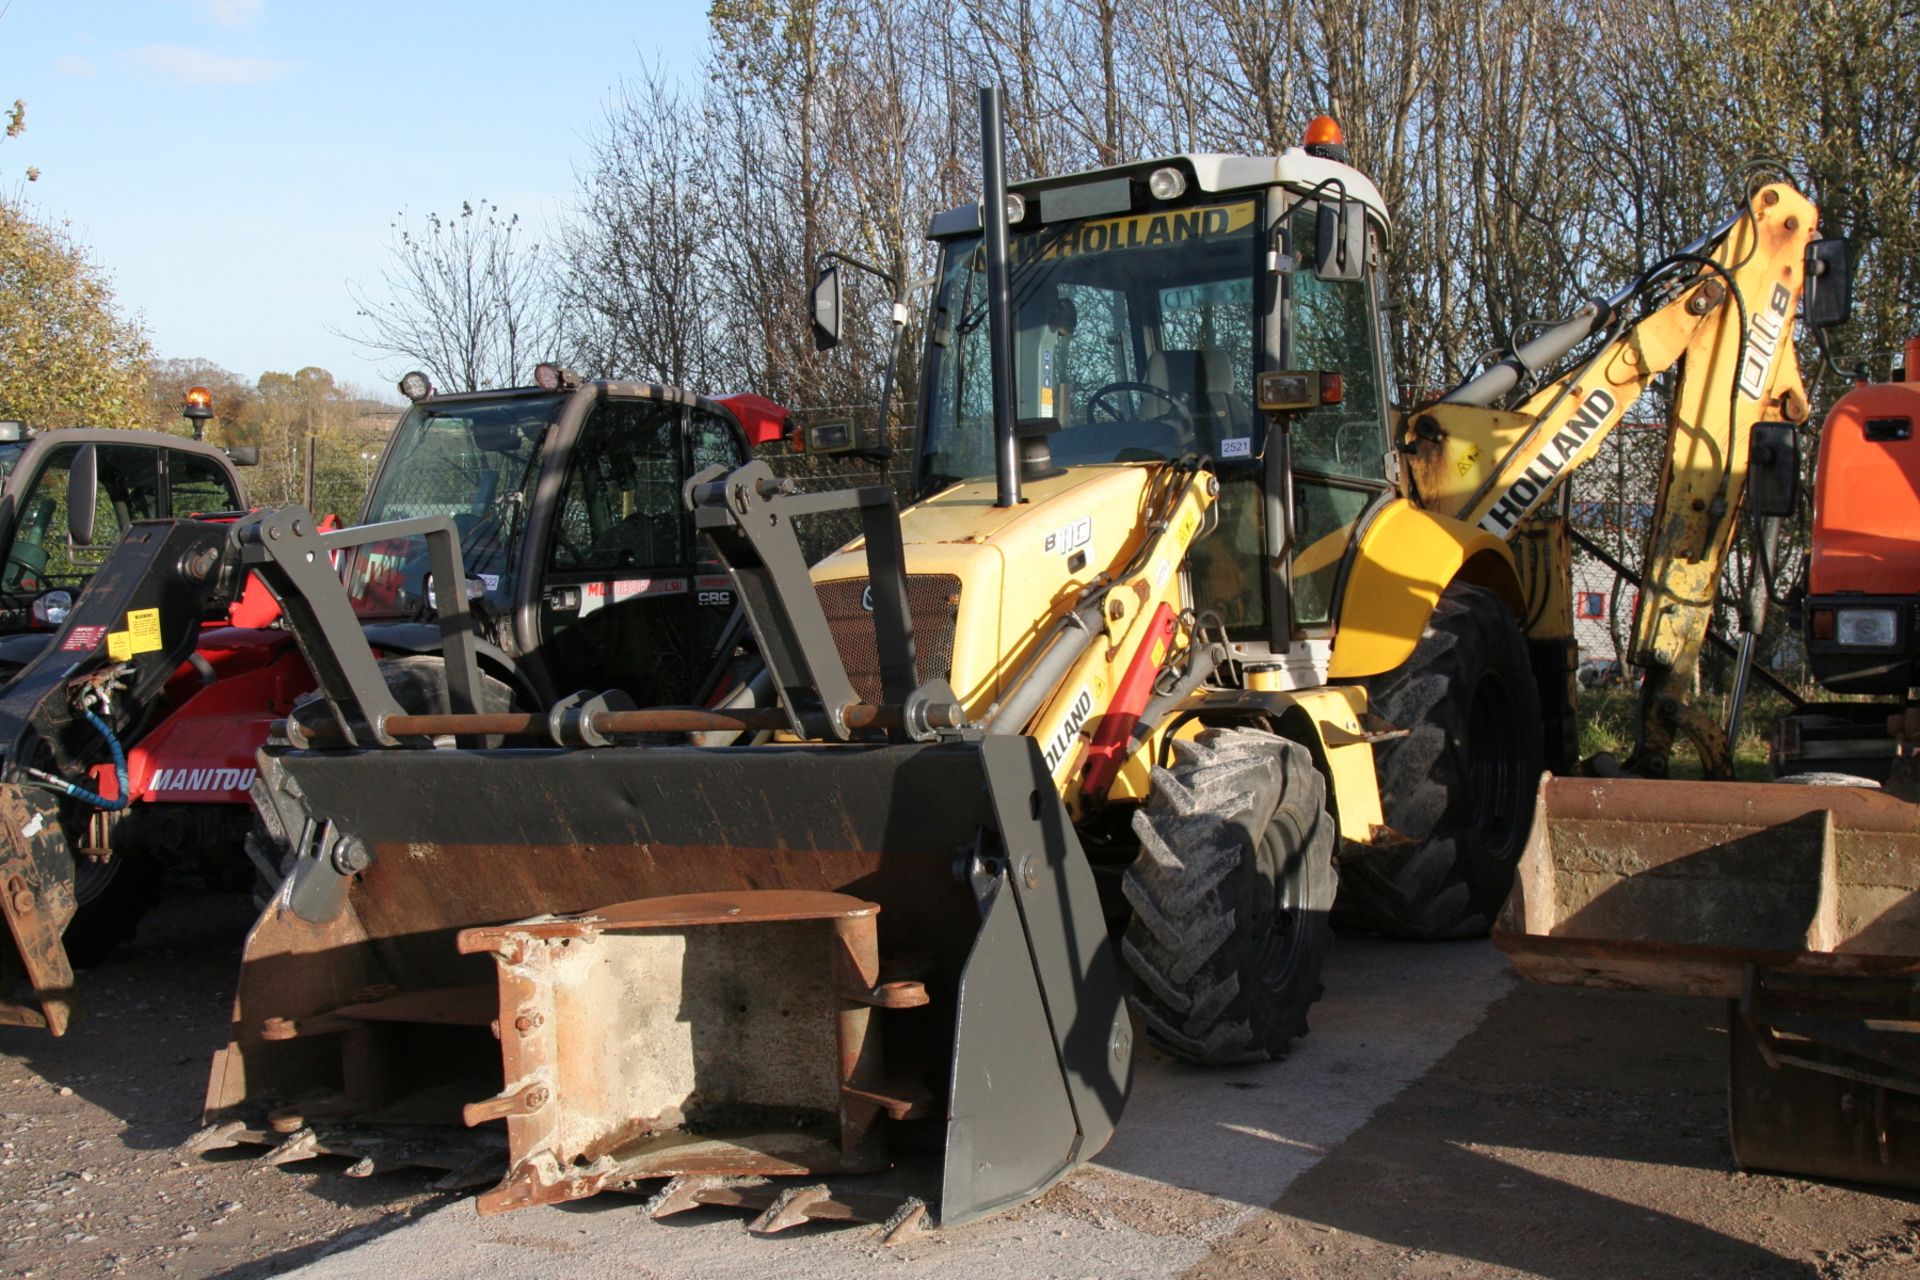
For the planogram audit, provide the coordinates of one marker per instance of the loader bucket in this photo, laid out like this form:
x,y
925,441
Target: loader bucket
x,y
1799,904
704,964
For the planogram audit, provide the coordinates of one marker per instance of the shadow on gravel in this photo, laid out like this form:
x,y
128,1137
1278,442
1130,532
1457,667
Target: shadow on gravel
x,y
289,1259
149,1017
1573,1134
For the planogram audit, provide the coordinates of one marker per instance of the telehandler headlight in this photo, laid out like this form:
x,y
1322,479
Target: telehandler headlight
x,y
1865,627
52,608
1016,208
1167,184
415,386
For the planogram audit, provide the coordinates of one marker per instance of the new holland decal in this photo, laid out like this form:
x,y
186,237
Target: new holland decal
x,y
1136,231
1069,731
1525,493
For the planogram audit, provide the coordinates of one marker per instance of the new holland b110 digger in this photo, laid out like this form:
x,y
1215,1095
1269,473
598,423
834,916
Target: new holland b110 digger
x,y
1187,628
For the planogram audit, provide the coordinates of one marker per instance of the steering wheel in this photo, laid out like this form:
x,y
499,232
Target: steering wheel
x,y
1354,439
1176,413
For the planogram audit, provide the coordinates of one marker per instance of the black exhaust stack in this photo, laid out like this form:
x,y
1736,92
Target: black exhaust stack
x,y
993,214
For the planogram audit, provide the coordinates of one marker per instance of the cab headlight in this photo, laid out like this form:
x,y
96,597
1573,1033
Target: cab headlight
x,y
1865,627
1167,184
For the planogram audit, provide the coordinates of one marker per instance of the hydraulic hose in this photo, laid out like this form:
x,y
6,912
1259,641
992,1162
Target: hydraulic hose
x,y
78,792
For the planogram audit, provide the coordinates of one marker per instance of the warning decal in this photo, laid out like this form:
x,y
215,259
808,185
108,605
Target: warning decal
x,y
83,639
143,629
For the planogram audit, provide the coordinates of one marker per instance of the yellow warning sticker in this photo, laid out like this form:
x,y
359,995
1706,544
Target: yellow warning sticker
x,y
120,646
143,628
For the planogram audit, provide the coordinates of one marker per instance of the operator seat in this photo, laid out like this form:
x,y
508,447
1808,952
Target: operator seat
x,y
1202,380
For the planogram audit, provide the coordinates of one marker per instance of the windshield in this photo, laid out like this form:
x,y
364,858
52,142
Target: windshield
x,y
473,462
1135,334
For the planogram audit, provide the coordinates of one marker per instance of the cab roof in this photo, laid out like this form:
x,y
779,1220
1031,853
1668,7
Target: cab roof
x,y
1210,172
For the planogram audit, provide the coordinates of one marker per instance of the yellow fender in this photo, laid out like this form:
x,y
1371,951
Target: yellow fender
x,y
1405,559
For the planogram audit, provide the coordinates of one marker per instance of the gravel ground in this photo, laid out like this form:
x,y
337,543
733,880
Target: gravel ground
x,y
1438,1123
91,1179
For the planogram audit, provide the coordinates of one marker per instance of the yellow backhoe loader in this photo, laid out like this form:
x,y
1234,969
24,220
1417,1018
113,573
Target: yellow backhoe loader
x,y
1188,628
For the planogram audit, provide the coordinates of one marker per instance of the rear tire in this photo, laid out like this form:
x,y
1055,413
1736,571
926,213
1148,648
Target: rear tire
x,y
1230,895
1459,787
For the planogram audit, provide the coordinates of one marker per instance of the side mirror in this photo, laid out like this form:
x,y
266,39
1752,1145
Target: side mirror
x,y
83,493
1773,469
244,455
1828,296
826,308
1340,241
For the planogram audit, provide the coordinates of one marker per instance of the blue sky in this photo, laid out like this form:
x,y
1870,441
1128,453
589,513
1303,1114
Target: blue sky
x,y
234,164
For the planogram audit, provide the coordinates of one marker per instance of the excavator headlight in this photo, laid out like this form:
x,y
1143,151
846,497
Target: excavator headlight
x,y
1874,628
555,377
1167,184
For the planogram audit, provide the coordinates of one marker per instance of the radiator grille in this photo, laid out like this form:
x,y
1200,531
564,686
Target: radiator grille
x,y
933,601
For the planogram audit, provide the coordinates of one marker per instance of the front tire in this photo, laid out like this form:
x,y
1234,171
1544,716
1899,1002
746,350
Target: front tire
x,y
112,896
1458,788
1230,893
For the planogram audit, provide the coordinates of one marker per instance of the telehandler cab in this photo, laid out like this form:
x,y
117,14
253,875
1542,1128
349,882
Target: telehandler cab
x,y
1185,609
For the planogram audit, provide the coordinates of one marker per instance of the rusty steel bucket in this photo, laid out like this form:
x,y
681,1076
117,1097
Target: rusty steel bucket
x,y
721,966
1798,904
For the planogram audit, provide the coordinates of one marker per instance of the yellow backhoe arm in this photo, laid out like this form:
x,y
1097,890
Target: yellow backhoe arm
x,y
1725,315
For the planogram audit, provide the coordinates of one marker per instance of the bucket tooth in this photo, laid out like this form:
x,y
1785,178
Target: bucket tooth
x,y
794,1206
302,1145
908,1220
693,1190
217,1137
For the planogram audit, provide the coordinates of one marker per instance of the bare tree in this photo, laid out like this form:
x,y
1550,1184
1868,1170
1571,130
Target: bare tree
x,y
466,299
639,266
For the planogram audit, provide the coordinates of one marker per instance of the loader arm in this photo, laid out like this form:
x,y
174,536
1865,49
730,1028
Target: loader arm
x,y
1721,311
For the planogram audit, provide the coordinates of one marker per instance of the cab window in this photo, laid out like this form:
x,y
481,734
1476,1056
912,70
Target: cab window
x,y
41,556
622,505
199,486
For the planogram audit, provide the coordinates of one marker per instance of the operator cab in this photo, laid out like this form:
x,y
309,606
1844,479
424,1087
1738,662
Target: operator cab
x,y
48,551
580,556
1147,301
